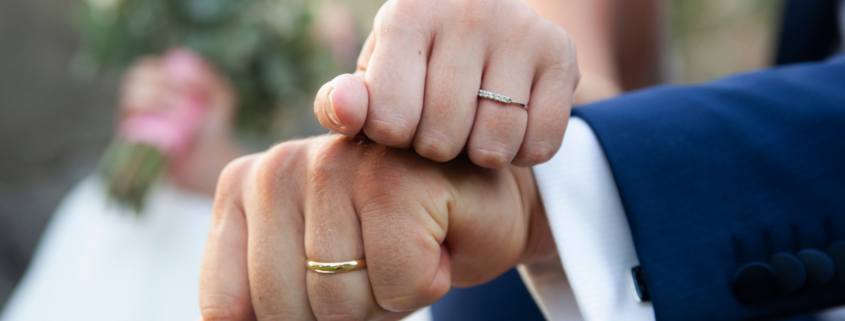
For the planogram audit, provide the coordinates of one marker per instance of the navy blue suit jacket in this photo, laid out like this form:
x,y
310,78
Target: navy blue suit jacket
x,y
721,178
717,176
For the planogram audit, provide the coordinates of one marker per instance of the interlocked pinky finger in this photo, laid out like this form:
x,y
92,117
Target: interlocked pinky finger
x,y
551,103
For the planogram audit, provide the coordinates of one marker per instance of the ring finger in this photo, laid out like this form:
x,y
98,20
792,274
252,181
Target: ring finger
x,y
332,235
275,251
499,128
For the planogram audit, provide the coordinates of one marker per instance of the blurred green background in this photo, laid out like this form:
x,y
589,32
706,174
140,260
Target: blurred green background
x,y
713,38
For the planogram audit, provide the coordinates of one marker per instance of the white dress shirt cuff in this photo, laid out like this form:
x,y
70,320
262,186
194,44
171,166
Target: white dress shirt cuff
x,y
592,236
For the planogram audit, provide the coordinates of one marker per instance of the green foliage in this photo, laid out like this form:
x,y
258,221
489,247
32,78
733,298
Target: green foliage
x,y
265,47
129,171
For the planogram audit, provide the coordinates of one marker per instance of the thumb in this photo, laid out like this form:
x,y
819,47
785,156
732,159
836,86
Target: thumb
x,y
341,104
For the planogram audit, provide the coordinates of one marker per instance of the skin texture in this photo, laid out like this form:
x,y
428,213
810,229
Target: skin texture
x,y
422,226
149,85
422,66
617,49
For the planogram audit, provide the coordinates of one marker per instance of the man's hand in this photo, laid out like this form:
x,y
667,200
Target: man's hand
x,y
422,227
422,66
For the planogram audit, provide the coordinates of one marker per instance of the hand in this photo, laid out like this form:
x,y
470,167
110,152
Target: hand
x,y
160,84
422,226
422,66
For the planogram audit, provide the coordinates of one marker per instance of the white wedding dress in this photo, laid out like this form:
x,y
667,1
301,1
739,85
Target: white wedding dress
x,y
97,261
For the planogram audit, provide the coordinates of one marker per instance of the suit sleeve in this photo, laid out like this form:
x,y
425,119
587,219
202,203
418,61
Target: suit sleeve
x,y
734,191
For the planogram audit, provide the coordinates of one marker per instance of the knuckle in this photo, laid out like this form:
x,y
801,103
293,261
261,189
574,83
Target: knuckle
x,y
563,36
538,152
380,180
324,155
435,145
273,170
398,15
473,10
396,299
562,44
232,176
522,19
342,316
230,188
227,308
560,54
275,162
473,5
403,6
390,130
330,300
381,169
495,155
571,63
523,13
328,159
277,317
565,43
345,311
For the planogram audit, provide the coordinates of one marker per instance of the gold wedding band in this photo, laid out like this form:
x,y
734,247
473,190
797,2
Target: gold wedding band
x,y
500,98
338,267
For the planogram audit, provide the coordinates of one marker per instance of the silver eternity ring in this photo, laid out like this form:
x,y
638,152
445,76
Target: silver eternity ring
x,y
500,98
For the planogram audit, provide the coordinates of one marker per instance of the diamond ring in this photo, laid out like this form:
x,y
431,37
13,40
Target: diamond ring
x,y
500,98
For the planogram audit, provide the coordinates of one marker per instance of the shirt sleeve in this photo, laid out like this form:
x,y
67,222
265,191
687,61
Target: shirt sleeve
x,y
592,236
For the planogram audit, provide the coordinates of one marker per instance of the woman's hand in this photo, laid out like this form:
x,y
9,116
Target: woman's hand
x,y
165,85
421,69
422,227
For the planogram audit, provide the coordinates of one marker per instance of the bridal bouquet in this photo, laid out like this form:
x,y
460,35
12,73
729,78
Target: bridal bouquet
x,y
264,47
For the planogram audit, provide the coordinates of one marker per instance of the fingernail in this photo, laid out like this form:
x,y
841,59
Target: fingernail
x,y
330,111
